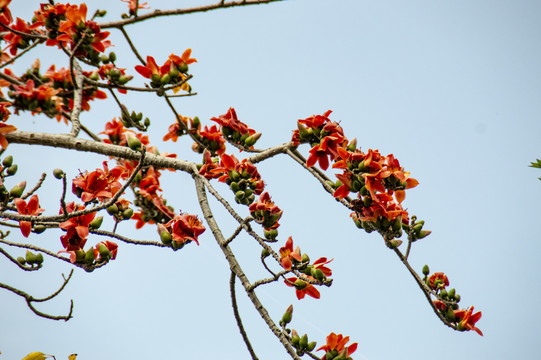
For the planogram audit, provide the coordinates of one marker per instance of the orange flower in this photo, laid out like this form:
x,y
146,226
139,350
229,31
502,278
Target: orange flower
x,y
99,184
266,212
287,254
467,320
185,228
5,129
76,227
337,343
32,208
133,3
184,59
438,280
303,288
151,68
320,264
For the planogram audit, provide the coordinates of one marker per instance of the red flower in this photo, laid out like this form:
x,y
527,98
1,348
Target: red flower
x,y
213,139
114,129
185,228
133,3
184,59
99,184
303,288
151,68
338,344
150,184
266,212
467,320
5,129
32,208
230,162
208,167
320,264
76,227
111,246
231,121
5,14
287,254
17,41
438,280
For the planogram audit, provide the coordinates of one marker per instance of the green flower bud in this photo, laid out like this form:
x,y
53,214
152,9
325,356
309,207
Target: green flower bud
x,y
457,298
12,170
104,251
311,345
319,275
38,229
305,258
234,186
165,79
104,59
112,210
127,214
8,160
17,190
30,258
156,78
94,76
288,315
90,256
196,122
240,194
303,343
423,234
450,315
426,270
166,237
299,284
451,293
112,57
58,173
79,256
352,145
183,68
39,258
264,253
295,339
134,143
21,260
96,223
234,175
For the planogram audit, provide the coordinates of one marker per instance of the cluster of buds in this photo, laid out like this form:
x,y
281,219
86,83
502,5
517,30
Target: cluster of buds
x,y
120,210
113,74
301,343
42,99
415,229
134,119
100,253
242,177
235,131
7,169
31,259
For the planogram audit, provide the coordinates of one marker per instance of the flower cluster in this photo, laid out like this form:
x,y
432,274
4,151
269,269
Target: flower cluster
x,y
266,213
68,27
99,184
447,302
235,131
17,40
170,73
241,176
379,181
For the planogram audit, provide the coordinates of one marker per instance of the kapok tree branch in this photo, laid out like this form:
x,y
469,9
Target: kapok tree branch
x,y
235,266
159,13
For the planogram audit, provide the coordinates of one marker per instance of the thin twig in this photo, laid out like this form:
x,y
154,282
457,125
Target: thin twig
x,y
133,48
35,188
237,316
159,13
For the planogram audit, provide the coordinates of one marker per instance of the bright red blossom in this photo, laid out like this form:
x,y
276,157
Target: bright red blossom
x,y
287,254
76,227
438,280
338,343
99,184
30,208
467,320
185,228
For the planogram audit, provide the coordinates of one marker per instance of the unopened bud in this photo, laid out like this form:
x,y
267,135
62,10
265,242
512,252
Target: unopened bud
x,y
127,214
426,270
104,251
18,189
299,284
134,143
58,173
113,209
21,260
90,256
286,318
30,257
38,229
96,223
8,160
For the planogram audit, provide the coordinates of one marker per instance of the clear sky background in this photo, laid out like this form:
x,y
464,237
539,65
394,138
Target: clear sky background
x,y
452,89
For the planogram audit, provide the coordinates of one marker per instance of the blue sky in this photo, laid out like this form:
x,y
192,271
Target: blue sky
x,y
452,89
